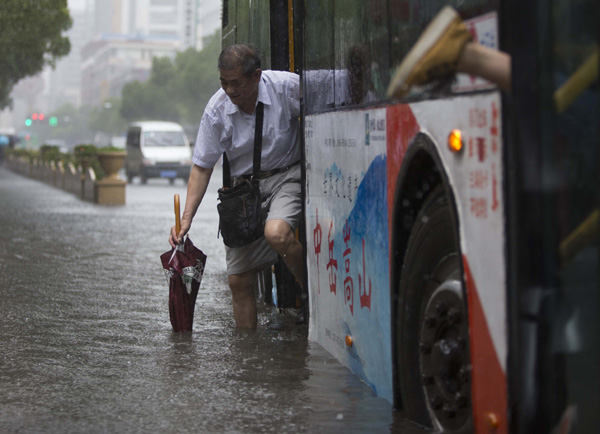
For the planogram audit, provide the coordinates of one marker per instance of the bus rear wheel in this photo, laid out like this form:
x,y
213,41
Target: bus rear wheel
x,y
432,323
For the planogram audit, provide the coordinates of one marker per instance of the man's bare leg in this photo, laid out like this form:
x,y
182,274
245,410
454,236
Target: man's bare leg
x,y
280,236
244,303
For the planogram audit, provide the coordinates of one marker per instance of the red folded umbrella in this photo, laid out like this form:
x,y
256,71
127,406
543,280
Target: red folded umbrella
x,y
184,267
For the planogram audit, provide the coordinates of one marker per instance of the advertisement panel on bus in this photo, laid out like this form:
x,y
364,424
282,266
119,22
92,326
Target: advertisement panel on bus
x,y
353,159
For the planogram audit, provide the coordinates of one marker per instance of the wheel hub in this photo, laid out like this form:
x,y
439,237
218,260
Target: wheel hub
x,y
444,361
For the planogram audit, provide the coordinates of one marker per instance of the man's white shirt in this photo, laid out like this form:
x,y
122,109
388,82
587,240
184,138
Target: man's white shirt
x,y
225,128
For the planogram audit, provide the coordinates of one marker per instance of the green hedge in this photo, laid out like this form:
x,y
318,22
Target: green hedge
x,y
87,156
83,155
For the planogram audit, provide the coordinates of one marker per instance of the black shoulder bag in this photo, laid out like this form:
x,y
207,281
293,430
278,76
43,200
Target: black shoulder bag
x,y
240,217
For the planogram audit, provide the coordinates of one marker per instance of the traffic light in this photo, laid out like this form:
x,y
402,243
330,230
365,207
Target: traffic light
x,y
35,117
53,121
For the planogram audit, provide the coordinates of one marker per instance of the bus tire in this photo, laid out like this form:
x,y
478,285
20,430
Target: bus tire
x,y
432,323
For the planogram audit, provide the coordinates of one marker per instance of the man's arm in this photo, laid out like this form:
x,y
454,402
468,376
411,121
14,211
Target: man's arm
x,y
197,184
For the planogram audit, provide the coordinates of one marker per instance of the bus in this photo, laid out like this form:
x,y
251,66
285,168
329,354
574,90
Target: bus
x,y
456,275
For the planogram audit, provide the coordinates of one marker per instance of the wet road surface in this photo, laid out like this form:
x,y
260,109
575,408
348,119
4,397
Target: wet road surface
x,y
86,342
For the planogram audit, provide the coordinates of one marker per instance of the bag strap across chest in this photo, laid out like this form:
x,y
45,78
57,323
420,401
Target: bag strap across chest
x,y
257,150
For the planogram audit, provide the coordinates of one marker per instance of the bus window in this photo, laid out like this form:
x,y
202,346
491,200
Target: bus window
x,y
228,23
408,19
570,327
237,22
361,51
554,245
318,42
262,39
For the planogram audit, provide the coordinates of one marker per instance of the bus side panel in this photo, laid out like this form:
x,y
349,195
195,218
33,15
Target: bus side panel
x,y
475,175
347,233
349,165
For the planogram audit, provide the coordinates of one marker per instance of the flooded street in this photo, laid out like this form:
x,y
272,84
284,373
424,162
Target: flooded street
x,y
87,345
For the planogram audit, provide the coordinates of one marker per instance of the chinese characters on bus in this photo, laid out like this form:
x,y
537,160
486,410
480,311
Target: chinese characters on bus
x,y
482,148
364,295
337,185
317,235
348,282
364,281
332,264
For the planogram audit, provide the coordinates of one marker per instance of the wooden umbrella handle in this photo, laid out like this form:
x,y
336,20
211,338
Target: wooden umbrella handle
x,y
177,219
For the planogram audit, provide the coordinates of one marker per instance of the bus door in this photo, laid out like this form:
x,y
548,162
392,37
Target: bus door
x,y
553,124
269,26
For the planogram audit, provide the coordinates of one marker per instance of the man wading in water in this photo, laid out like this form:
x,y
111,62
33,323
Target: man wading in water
x,y
227,125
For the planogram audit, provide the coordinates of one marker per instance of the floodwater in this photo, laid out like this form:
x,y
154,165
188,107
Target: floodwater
x,y
86,344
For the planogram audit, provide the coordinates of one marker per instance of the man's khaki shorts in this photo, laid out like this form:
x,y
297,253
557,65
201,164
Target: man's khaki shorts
x,y
281,200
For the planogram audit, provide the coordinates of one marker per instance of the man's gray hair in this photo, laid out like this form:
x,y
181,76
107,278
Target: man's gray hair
x,y
244,55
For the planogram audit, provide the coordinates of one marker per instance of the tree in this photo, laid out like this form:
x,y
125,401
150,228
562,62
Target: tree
x,y
177,90
30,38
106,119
151,99
197,79
72,124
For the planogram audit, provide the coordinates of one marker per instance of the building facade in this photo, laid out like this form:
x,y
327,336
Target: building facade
x,y
130,33
112,43
111,61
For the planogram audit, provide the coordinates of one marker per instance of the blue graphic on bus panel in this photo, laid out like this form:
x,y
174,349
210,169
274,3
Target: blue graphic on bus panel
x,y
361,248
367,130
368,218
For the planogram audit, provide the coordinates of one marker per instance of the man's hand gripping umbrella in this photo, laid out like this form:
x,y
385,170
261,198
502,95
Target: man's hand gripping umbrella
x,y
184,267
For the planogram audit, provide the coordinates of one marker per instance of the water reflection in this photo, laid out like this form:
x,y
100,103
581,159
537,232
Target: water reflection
x,y
87,344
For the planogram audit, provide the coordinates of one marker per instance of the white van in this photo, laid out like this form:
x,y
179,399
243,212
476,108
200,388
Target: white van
x,y
157,150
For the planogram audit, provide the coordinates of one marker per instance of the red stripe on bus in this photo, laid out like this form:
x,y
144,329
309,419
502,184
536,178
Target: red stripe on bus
x,y
488,379
402,127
